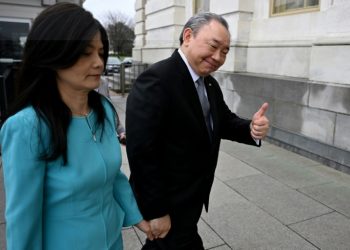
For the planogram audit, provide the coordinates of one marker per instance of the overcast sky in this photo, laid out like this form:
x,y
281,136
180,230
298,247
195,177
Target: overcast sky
x,y
99,8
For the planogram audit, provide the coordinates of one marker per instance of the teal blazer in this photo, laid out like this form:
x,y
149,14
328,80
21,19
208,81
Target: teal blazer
x,y
82,205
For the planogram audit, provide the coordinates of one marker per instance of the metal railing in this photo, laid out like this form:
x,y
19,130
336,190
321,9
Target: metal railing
x,y
122,82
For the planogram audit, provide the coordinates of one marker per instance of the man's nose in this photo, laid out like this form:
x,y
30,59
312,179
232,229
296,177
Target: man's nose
x,y
217,56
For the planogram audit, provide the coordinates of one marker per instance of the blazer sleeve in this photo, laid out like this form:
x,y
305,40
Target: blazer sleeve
x,y
232,126
122,191
124,196
145,119
24,183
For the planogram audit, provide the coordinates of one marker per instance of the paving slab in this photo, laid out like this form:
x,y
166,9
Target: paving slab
x,y
291,169
245,226
283,203
209,237
330,231
335,195
222,194
229,167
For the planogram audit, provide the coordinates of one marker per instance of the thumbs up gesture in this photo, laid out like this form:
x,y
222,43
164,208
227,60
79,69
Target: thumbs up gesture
x,y
260,124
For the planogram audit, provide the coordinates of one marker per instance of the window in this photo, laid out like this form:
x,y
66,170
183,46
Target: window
x,y
13,34
282,7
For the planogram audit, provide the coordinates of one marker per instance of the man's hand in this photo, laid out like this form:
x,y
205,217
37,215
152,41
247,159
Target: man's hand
x,y
145,227
160,226
260,124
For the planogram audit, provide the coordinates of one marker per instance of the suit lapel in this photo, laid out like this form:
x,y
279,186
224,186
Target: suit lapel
x,y
190,93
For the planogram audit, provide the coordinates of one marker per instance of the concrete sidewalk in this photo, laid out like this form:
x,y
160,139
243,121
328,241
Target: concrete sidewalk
x,y
263,198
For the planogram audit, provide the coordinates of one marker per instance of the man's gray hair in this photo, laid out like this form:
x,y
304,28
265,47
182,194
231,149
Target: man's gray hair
x,y
199,20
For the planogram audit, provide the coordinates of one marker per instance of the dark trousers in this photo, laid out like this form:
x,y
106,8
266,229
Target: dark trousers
x,y
183,234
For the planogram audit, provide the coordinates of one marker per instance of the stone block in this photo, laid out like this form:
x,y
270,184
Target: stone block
x,y
139,16
152,55
163,37
330,64
283,61
314,123
169,15
330,97
342,132
157,5
139,28
227,6
290,91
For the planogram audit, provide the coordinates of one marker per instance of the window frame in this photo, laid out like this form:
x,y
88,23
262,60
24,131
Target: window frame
x,y
293,12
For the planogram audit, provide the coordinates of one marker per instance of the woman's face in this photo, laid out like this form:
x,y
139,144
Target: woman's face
x,y
85,74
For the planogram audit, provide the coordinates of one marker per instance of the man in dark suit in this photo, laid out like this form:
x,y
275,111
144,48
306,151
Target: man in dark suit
x,y
174,136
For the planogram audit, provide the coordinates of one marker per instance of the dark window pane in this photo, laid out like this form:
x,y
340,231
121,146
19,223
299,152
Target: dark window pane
x,y
281,6
12,39
312,2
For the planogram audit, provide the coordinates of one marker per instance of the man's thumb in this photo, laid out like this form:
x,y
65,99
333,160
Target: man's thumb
x,y
261,112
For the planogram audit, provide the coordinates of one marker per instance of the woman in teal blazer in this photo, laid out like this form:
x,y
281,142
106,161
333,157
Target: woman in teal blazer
x,y
61,156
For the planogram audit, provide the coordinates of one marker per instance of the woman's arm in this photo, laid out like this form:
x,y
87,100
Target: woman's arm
x,y
24,183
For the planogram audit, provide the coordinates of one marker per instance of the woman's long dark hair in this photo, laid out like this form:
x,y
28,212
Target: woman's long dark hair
x,y
57,39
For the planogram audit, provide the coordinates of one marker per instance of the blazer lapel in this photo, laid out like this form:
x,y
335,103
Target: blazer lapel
x,y
190,93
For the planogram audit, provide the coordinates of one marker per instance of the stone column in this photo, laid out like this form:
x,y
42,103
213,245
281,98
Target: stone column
x,y
164,20
238,14
140,31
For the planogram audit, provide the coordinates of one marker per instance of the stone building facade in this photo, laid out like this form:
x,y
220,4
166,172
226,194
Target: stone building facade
x,y
298,61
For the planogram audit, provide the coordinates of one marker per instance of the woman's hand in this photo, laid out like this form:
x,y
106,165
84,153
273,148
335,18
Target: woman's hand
x,y
160,226
145,227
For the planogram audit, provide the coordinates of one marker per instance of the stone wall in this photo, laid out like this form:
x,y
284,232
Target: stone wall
x,y
308,117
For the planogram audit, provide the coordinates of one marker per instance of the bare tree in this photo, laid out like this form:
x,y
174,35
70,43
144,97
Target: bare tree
x,y
120,29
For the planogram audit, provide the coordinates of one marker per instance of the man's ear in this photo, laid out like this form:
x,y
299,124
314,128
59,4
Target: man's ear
x,y
187,35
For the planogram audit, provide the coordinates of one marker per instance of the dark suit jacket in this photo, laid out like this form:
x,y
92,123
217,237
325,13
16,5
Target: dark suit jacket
x,y
171,157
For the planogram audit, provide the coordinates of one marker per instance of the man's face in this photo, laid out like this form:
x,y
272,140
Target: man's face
x,y
207,50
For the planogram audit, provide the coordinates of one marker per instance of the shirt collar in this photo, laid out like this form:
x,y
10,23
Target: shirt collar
x,y
193,74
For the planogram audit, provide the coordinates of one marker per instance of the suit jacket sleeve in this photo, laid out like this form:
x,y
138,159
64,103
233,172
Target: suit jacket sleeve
x,y
232,126
24,181
145,118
